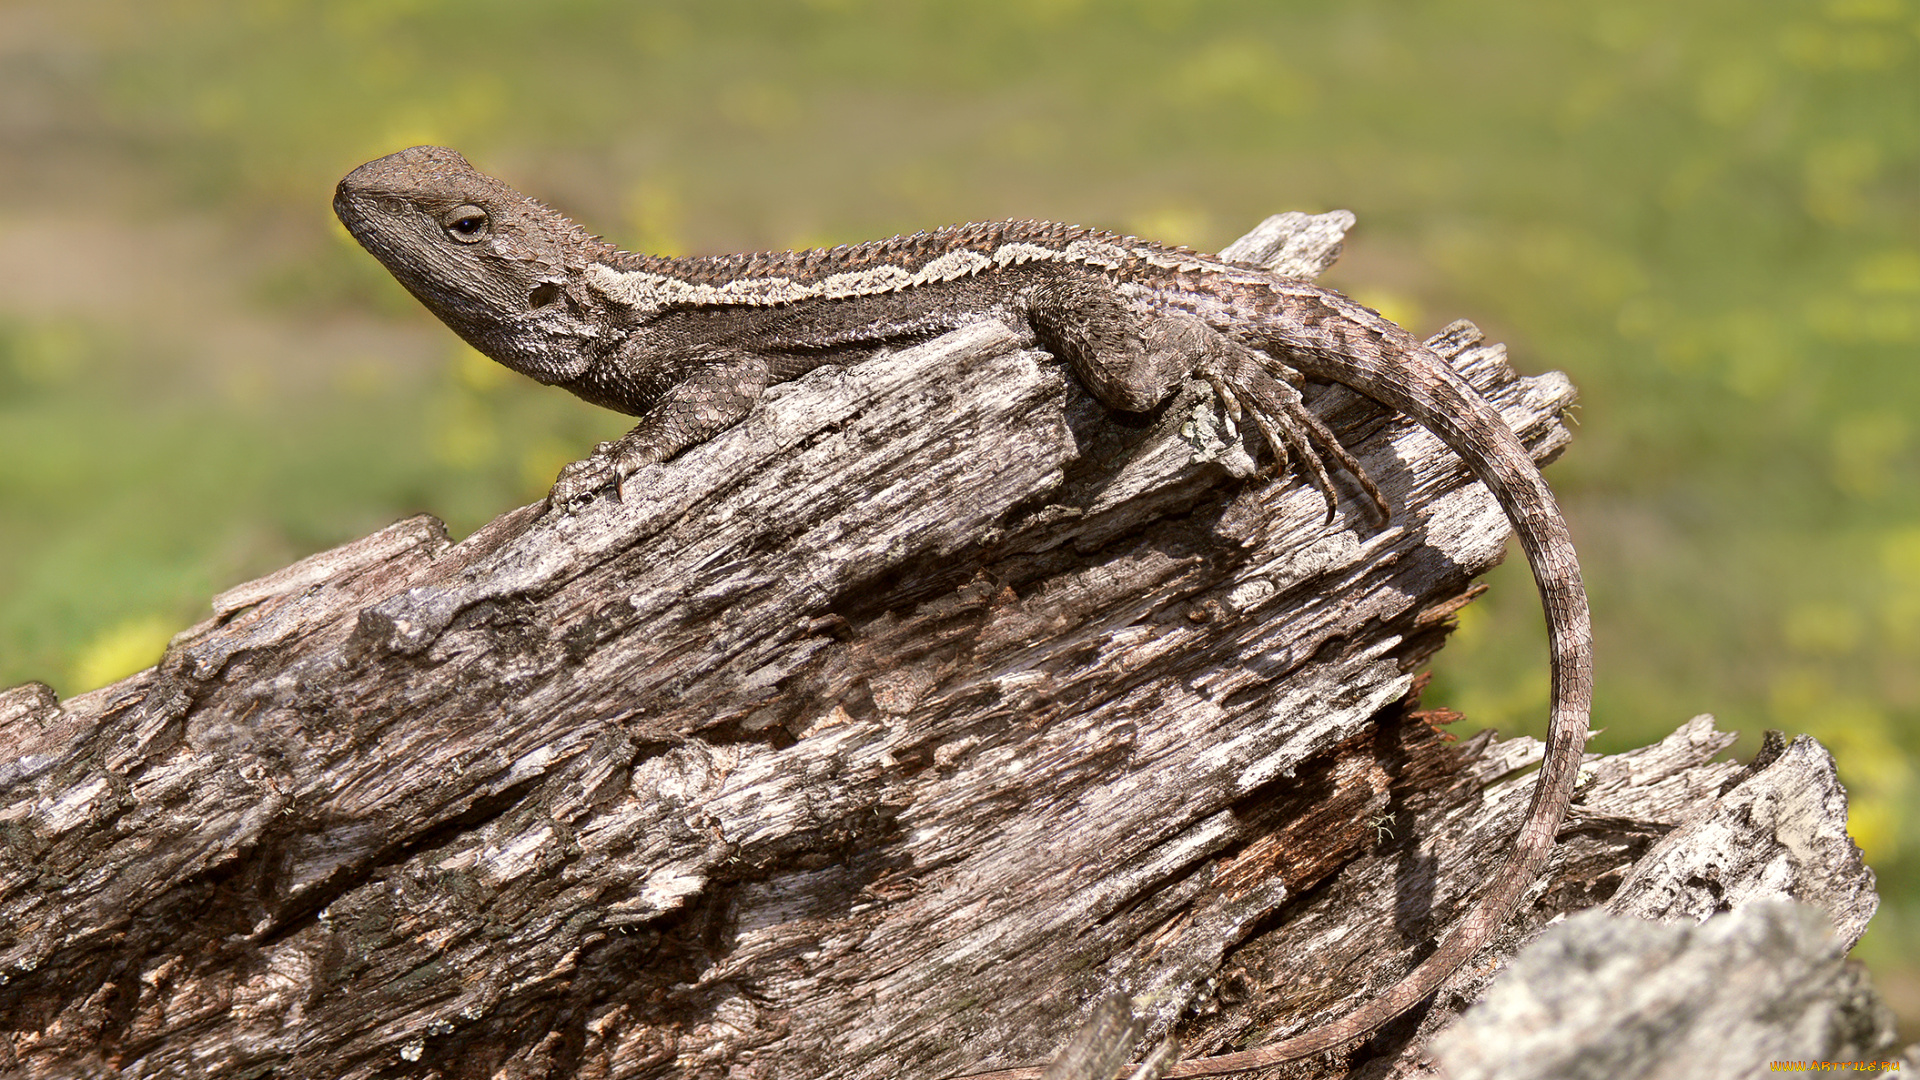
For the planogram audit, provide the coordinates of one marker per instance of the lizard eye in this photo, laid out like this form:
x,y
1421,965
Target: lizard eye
x,y
465,224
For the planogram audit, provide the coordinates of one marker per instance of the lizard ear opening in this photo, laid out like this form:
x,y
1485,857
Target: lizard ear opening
x,y
545,293
465,224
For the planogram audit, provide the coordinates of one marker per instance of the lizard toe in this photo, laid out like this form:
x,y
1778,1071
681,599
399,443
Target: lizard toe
x,y
580,480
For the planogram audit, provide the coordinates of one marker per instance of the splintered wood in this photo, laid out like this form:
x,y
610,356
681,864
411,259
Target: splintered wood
x,y
886,734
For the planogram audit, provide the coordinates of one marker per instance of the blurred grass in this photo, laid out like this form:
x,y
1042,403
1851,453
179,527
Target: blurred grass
x,y
1708,214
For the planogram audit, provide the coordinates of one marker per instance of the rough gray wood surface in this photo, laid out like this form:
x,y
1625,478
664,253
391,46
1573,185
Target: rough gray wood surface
x,y
1669,833
1764,985
1767,868
1664,832
884,735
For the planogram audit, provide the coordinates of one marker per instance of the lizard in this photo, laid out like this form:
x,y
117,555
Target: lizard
x,y
687,344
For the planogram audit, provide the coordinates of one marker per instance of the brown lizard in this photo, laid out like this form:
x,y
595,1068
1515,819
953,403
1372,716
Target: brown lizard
x,y
689,344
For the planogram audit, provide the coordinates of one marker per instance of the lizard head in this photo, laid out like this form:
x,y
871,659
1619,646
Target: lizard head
x,y
494,265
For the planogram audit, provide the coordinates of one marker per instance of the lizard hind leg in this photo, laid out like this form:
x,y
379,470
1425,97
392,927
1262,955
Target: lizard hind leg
x,y
1132,360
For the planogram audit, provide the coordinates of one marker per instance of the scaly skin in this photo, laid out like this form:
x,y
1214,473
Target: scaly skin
x,y
688,345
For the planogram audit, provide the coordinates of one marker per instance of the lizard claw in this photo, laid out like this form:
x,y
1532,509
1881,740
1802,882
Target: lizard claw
x,y
1282,456
611,465
1250,383
579,480
1329,446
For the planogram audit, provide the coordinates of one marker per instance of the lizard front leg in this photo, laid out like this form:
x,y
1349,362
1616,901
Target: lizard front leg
x,y
1131,361
705,399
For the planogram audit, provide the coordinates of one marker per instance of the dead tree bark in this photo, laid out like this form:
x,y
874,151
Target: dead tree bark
x,y
1613,992
883,735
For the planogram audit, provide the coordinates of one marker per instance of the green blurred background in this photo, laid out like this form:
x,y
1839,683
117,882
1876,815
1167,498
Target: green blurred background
x,y
1707,213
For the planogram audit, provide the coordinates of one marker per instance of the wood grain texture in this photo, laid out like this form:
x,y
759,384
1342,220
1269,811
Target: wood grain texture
x,y
885,734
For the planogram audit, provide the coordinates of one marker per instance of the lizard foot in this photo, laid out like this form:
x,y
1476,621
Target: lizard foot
x,y
580,479
609,466
1247,384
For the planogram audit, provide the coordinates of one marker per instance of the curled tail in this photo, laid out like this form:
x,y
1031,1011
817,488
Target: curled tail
x,y
1325,335
1420,383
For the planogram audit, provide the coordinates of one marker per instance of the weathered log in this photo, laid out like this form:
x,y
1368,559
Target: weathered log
x,y
1759,852
884,735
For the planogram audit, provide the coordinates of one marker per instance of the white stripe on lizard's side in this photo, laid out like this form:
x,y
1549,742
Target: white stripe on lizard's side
x,y
645,290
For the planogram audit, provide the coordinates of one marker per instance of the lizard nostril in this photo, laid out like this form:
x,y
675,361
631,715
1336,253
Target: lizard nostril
x,y
543,294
